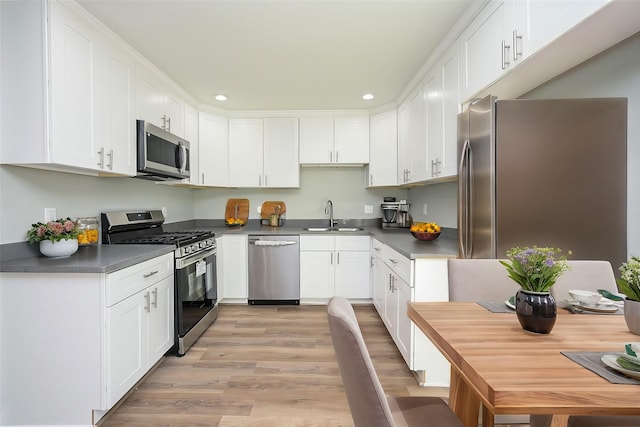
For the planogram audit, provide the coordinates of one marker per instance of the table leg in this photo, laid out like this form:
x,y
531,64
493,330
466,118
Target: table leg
x,y
559,421
463,401
487,417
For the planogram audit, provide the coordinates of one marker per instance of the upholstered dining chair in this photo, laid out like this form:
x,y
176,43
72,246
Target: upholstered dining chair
x,y
473,280
586,275
367,401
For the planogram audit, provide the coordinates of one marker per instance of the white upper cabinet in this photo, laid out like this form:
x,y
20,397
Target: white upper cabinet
x,y
213,150
412,139
263,152
280,152
75,115
383,149
404,139
333,141
156,103
482,50
443,106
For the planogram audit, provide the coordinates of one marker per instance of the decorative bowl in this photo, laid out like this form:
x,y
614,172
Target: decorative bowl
x,y
585,297
425,236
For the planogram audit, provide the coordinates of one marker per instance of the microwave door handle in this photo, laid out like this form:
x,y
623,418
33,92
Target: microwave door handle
x,y
182,156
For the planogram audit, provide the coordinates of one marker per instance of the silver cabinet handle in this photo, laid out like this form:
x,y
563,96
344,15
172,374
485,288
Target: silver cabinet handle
x,y
147,305
330,156
331,258
505,55
155,298
202,178
101,154
150,274
390,286
110,156
517,38
265,180
337,153
338,258
371,179
393,260
259,180
168,124
164,122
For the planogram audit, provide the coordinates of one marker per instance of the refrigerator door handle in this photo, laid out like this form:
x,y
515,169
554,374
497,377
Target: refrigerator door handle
x,y
463,200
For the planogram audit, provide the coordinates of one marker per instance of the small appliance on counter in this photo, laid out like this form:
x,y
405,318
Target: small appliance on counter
x,y
395,214
273,213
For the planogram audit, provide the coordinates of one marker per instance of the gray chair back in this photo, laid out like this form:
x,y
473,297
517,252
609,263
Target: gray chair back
x,y
479,280
367,401
585,275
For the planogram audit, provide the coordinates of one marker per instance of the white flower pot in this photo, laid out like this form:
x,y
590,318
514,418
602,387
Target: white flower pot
x,y
61,249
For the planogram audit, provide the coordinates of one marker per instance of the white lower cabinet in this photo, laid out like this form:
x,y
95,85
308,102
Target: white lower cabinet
x,y
84,341
397,281
233,274
334,266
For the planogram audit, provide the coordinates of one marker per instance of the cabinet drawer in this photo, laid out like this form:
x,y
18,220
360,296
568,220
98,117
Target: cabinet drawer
x,y
400,264
317,243
126,282
377,248
353,243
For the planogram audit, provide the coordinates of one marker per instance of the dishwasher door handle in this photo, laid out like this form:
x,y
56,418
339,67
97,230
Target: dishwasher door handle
x,y
272,243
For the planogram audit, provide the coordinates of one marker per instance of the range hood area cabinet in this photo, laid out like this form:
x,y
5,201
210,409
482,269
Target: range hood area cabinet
x,y
74,115
342,140
263,153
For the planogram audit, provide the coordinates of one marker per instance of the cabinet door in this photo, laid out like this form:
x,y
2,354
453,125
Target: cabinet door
x,y
281,167
404,143
481,53
73,51
173,113
352,274
405,332
115,130
127,344
317,274
390,317
432,92
532,24
378,284
316,140
213,147
448,68
351,144
235,263
245,152
418,141
383,149
149,99
191,134
161,315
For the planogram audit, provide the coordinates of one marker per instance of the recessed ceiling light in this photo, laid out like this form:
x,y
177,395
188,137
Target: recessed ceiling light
x,y
220,97
368,96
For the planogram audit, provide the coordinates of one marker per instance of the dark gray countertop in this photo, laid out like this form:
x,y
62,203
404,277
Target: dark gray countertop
x,y
88,259
24,258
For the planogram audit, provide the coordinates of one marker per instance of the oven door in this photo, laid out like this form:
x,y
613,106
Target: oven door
x,y
196,290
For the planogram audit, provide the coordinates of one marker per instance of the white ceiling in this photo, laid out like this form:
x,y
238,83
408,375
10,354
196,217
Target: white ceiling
x,y
284,54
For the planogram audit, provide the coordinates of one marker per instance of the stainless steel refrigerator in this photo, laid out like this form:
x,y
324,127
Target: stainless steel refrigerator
x,y
546,173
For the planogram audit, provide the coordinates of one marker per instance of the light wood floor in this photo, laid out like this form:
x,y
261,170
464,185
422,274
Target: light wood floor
x,y
269,366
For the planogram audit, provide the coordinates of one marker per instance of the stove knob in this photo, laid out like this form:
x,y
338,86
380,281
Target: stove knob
x,y
187,250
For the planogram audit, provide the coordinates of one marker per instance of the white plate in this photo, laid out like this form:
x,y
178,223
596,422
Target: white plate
x,y
598,308
610,361
508,304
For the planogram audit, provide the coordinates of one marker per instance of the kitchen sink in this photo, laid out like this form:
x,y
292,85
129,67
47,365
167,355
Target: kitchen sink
x,y
334,229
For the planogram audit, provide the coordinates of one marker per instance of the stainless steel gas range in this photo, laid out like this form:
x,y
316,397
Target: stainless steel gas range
x,y
195,267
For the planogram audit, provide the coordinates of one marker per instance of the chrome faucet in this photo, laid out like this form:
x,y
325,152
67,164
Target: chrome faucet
x,y
328,210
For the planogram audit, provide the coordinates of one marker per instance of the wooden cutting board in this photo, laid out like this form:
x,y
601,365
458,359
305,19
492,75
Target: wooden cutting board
x,y
237,208
272,207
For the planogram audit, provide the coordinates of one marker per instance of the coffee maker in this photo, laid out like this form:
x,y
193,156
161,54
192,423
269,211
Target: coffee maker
x,y
395,214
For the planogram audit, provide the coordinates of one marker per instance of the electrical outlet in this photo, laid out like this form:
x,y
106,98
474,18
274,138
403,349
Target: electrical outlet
x,y
368,209
49,214
424,209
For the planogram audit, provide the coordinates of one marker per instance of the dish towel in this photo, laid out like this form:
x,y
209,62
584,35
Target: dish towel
x,y
591,361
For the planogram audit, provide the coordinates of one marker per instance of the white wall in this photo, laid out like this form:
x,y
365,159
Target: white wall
x,y
24,193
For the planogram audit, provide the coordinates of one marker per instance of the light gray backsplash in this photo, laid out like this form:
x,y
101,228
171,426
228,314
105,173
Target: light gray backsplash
x,y
441,200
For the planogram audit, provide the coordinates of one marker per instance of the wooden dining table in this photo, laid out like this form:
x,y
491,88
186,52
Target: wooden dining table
x,y
503,369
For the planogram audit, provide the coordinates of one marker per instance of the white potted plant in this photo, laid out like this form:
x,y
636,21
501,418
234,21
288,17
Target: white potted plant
x,y
535,270
57,238
629,284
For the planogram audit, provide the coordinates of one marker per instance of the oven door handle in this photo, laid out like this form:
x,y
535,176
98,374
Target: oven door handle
x,y
192,259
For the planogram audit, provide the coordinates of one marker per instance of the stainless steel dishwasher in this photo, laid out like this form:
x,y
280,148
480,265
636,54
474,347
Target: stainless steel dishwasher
x,y
274,269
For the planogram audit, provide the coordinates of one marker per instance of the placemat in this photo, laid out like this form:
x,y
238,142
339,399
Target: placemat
x,y
617,312
591,361
496,307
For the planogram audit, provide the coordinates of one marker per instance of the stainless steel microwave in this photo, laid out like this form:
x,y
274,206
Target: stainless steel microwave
x,y
162,155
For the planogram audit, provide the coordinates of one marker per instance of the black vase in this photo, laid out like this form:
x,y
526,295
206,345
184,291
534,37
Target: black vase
x,y
536,311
